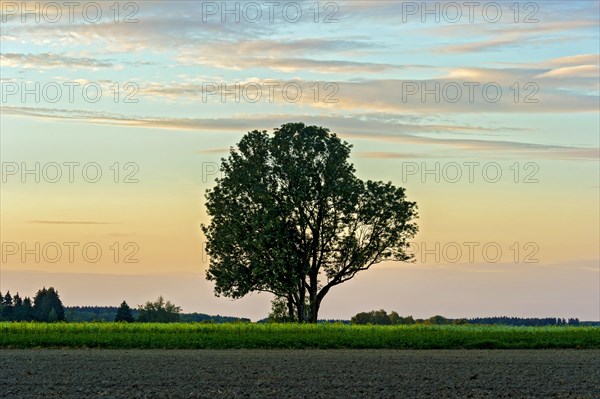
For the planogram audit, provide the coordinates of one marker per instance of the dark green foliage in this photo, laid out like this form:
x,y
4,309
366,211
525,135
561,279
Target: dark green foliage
x,y
460,322
47,306
108,313
7,299
15,308
525,321
397,319
52,316
23,312
290,217
380,317
159,311
7,306
280,313
27,309
438,320
205,318
93,313
124,314
374,317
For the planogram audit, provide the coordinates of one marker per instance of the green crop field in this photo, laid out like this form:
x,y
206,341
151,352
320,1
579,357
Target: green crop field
x,y
271,336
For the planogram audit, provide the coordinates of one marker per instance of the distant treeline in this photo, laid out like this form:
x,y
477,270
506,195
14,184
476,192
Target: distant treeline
x,y
381,317
46,306
94,313
108,313
526,321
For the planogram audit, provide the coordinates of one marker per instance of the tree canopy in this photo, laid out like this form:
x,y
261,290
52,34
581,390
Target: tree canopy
x,y
159,311
47,306
289,216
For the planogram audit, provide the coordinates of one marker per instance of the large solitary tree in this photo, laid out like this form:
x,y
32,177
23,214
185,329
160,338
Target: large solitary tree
x,y
289,216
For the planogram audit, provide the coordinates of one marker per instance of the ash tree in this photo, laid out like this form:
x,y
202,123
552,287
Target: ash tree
x,y
290,217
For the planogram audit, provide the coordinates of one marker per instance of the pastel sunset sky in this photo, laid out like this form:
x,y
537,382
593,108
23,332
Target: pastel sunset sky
x,y
489,116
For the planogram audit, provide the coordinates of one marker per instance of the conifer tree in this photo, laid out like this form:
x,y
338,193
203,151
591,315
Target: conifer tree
x,y
124,313
46,301
7,306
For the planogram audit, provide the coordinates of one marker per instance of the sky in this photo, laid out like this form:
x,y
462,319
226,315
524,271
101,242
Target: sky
x,y
115,115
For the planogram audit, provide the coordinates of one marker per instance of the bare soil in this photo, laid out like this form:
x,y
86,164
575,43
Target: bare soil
x,y
82,373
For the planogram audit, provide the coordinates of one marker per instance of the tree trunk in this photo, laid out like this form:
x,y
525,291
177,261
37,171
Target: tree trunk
x,y
301,312
314,311
314,302
302,303
290,304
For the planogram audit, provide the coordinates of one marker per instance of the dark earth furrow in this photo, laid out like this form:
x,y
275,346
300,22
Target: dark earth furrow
x,y
81,373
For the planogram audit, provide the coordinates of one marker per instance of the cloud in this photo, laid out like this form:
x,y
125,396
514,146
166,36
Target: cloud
x,y
580,71
181,28
499,150
386,128
583,69
491,91
398,155
296,64
359,123
83,222
287,55
268,47
459,90
50,60
160,26
574,60
484,45
222,150
497,37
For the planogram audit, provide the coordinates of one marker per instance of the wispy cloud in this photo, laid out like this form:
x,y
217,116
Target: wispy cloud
x,y
222,150
371,127
69,222
458,90
399,155
580,71
50,60
519,36
297,64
